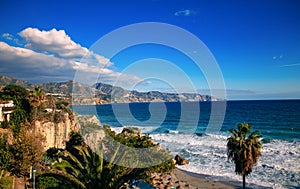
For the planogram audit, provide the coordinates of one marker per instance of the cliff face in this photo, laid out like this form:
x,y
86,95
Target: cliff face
x,y
56,134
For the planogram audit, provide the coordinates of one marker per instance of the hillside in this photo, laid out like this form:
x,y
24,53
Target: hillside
x,y
6,80
67,88
105,93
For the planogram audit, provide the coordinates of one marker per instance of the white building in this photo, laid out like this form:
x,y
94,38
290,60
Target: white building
x,y
6,108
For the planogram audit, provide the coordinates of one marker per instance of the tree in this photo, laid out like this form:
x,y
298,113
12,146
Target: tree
x,y
80,167
11,92
5,155
36,97
21,112
75,140
26,151
244,149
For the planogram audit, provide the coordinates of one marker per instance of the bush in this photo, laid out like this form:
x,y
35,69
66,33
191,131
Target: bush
x,y
6,182
80,167
4,125
52,181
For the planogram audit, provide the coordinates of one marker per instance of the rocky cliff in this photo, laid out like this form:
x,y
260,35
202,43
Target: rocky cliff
x,y
57,133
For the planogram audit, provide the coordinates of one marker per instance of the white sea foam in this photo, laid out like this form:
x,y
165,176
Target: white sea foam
x,y
145,130
279,166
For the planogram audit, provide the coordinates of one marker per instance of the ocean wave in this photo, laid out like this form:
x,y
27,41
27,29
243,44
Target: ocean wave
x,y
277,168
144,129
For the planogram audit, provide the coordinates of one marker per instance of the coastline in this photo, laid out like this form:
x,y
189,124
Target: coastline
x,y
179,178
201,181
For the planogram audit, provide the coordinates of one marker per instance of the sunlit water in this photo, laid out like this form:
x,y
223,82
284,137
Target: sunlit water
x,y
278,121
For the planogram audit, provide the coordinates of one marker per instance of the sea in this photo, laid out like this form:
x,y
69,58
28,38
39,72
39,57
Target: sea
x,y
184,128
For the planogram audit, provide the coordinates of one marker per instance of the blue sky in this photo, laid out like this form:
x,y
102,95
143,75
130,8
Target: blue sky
x,y
255,43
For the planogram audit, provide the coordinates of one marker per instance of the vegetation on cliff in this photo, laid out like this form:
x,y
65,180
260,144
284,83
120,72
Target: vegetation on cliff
x,y
77,165
20,147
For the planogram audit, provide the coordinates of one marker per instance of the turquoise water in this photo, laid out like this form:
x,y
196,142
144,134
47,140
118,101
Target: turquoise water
x,y
277,120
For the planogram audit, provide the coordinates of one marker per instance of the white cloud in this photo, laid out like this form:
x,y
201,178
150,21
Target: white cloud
x,y
54,41
279,57
25,60
118,78
186,12
53,54
58,43
8,36
290,65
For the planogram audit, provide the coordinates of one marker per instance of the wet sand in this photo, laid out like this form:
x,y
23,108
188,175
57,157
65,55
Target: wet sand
x,y
183,179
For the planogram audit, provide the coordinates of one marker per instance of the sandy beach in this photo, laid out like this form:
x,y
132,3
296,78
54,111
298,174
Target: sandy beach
x,y
183,179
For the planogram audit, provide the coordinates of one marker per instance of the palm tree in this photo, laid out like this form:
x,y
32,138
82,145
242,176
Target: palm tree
x,y
78,166
244,149
83,165
82,168
36,97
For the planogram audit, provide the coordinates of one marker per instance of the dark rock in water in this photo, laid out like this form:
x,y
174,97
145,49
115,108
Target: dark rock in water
x,y
199,134
180,160
132,132
265,166
266,140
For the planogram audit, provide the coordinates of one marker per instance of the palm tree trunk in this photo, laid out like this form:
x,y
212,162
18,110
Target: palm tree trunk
x,y
55,134
14,182
2,171
244,181
34,120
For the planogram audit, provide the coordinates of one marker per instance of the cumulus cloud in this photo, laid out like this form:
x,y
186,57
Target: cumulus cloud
x,y
186,12
17,59
54,41
53,54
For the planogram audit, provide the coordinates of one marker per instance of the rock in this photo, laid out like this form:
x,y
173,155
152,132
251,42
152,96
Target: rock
x,y
180,160
87,120
174,161
132,132
94,139
56,134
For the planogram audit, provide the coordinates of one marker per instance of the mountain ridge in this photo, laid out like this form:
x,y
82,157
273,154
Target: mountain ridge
x,y
105,93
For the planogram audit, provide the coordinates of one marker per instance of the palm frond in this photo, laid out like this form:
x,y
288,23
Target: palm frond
x,y
242,150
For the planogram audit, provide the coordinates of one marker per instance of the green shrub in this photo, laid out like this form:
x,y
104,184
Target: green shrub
x,y
80,167
6,182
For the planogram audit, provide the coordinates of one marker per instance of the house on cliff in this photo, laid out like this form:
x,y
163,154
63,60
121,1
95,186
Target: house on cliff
x,y
6,108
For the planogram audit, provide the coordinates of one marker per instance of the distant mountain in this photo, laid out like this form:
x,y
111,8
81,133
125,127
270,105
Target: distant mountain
x,y
107,89
108,93
104,93
67,88
6,80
